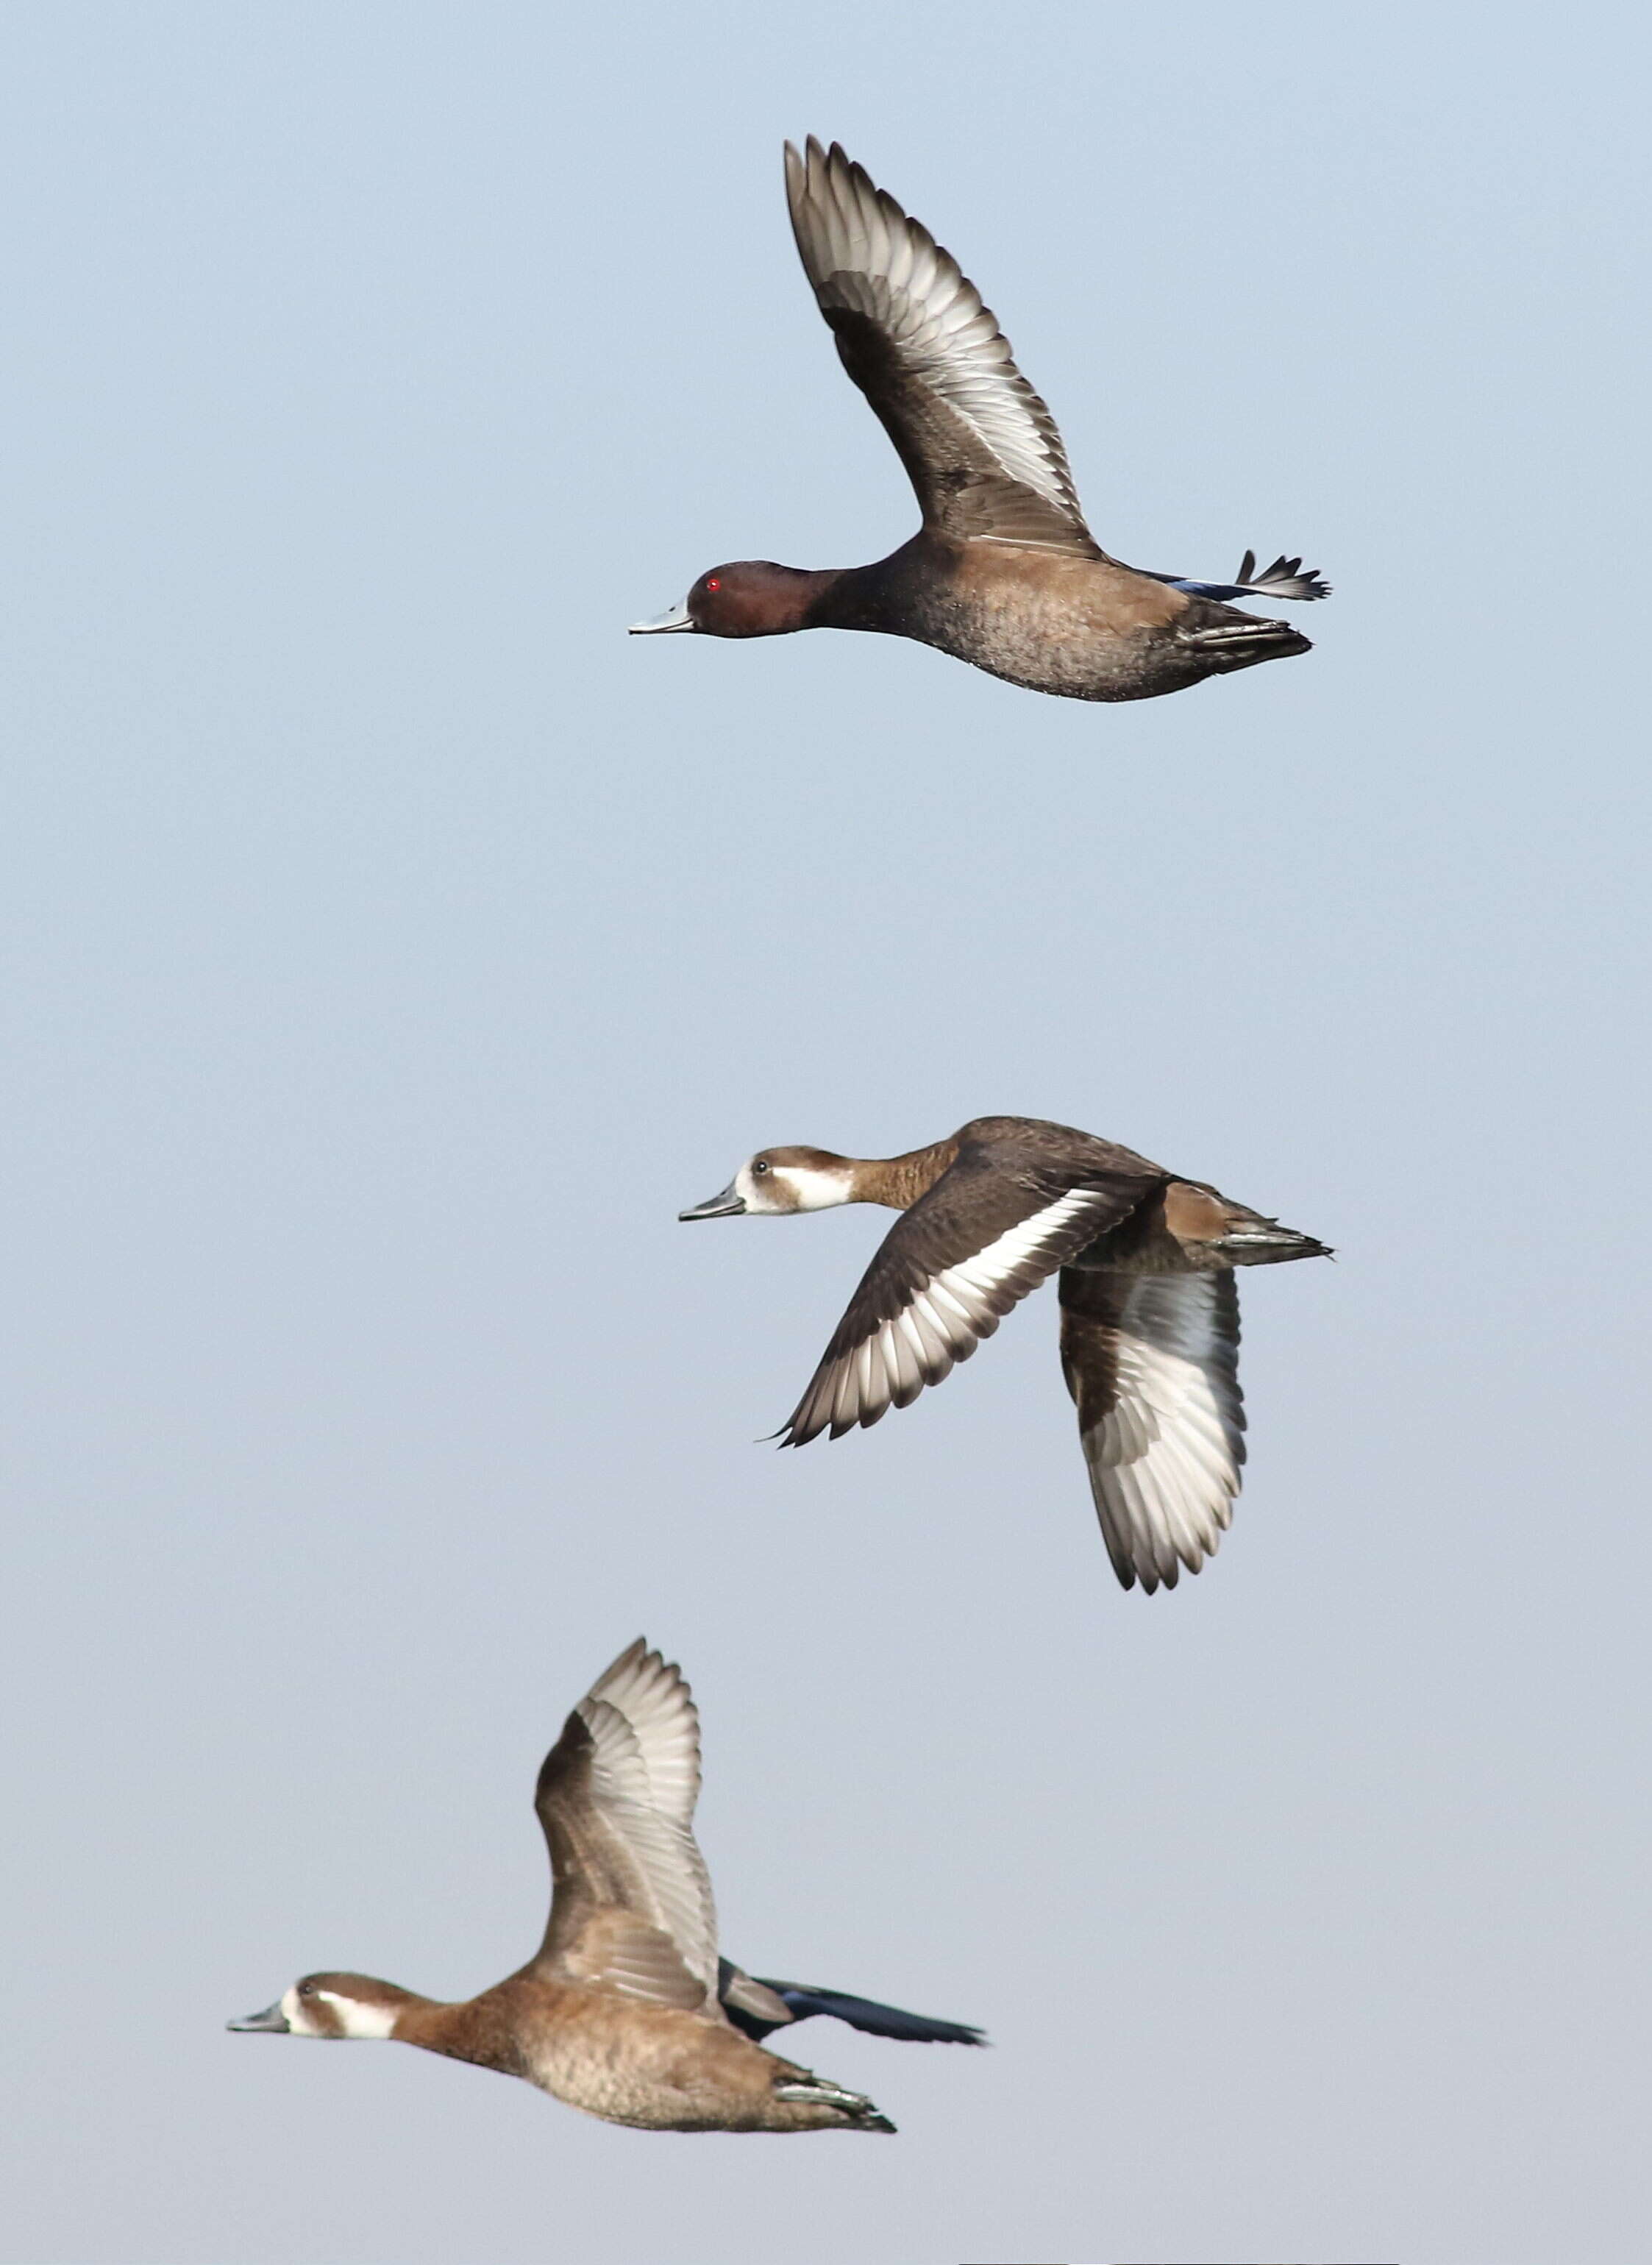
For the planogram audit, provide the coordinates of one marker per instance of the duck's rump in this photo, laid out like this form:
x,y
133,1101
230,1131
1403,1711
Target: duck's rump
x,y
1190,1228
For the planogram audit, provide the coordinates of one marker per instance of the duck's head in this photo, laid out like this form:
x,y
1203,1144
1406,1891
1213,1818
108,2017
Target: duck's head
x,y
331,2006
777,1181
751,597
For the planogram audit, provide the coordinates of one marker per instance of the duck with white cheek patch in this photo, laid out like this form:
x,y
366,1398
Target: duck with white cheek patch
x,y
626,2010
1149,1311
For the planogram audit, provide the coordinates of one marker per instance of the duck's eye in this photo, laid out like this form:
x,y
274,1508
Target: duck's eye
x,y
306,1989
712,582
759,1169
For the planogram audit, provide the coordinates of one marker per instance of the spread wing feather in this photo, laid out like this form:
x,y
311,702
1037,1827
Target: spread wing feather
x,y
631,1903
948,1271
1152,1361
979,446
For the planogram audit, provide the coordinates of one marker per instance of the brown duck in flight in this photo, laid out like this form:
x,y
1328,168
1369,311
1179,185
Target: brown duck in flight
x,y
1149,1312
626,2009
1003,573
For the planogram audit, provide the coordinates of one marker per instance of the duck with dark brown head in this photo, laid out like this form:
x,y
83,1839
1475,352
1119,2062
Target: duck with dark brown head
x,y
1003,573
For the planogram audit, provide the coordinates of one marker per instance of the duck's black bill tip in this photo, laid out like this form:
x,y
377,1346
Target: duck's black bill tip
x,y
272,2022
728,1205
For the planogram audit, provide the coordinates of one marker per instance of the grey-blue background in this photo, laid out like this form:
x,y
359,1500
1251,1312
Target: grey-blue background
x,y
394,948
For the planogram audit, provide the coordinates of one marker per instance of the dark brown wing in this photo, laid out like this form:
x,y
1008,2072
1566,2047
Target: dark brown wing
x,y
979,446
1152,1361
947,1272
631,1903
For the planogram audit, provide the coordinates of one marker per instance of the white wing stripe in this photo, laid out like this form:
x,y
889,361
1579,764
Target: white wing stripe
x,y
949,1332
919,1344
940,1322
988,1270
1165,1456
944,1300
845,1397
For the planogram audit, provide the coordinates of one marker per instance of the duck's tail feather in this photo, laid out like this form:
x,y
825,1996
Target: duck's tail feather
x,y
1285,579
803,2000
1264,1242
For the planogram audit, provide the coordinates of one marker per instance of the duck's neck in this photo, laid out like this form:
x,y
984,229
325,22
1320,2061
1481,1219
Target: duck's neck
x,y
858,597
413,2017
897,1182
806,597
461,2031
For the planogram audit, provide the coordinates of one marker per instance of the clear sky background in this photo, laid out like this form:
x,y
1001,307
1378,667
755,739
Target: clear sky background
x,y
394,948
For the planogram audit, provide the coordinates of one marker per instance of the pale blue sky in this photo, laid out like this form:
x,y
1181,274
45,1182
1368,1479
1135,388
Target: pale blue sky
x,y
394,948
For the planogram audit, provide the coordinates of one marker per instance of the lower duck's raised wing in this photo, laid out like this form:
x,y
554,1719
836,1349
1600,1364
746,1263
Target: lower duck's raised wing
x,y
632,1904
948,1271
1152,1361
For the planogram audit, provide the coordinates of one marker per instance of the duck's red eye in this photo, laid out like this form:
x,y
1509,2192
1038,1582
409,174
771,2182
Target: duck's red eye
x,y
712,583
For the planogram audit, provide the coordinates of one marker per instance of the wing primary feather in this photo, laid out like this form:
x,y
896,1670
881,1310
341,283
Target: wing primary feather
x,y
982,450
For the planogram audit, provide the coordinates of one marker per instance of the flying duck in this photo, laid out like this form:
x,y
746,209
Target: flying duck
x,y
625,2010
1149,1312
1003,572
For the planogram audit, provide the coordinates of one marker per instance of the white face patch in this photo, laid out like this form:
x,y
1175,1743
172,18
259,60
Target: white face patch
x,y
812,1190
786,1188
293,2011
353,2017
357,2018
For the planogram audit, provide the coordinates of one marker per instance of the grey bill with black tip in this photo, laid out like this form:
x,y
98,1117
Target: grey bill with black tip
x,y
728,1205
272,2022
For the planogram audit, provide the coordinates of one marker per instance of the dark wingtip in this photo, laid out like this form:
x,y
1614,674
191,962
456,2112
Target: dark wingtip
x,y
953,2033
803,2000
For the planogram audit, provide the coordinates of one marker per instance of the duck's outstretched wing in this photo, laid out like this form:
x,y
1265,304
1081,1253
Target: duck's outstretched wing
x,y
1152,1361
946,1274
980,448
1285,579
632,1904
